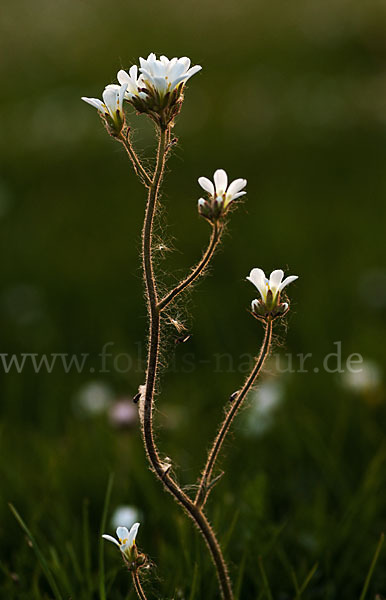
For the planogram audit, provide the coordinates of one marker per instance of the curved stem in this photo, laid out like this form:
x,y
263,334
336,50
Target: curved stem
x,y
198,269
138,167
203,492
138,587
147,403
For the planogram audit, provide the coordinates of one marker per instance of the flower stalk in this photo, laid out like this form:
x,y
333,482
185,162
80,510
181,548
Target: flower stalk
x,y
139,169
206,481
137,585
198,270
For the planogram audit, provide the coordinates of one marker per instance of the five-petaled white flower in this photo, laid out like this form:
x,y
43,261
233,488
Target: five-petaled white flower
x,y
270,290
164,75
126,542
134,84
111,107
220,194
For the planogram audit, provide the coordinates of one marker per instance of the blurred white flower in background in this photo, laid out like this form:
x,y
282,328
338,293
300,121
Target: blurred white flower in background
x,y
265,399
367,378
126,516
93,398
123,413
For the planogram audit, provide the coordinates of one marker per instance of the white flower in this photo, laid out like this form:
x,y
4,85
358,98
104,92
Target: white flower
x,y
111,107
134,84
220,194
270,290
126,539
219,191
164,75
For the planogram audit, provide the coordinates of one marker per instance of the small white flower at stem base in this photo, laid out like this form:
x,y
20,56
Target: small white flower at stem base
x,y
220,195
127,545
269,306
111,107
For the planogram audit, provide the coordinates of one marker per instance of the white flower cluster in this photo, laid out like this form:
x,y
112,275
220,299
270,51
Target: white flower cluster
x,y
155,88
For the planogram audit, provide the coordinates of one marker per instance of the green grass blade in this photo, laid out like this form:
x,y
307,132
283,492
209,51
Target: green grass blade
x,y
240,576
372,566
266,585
228,535
307,580
102,585
87,548
194,584
43,563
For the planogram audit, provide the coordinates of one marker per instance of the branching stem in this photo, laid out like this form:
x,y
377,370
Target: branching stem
x,y
147,403
204,485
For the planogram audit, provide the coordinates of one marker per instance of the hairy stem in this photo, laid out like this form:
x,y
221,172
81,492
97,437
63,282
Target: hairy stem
x,y
160,469
203,491
138,167
137,586
198,269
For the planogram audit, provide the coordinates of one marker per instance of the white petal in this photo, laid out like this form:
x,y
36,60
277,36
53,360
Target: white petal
x,y
98,104
185,61
201,202
175,82
235,196
122,533
207,185
287,280
125,547
110,539
143,62
258,278
220,180
177,70
123,77
134,72
147,76
275,280
122,93
193,71
110,98
236,186
152,57
255,304
133,533
113,86
161,84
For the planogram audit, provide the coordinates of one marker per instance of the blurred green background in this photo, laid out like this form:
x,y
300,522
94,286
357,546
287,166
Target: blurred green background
x,y
292,96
